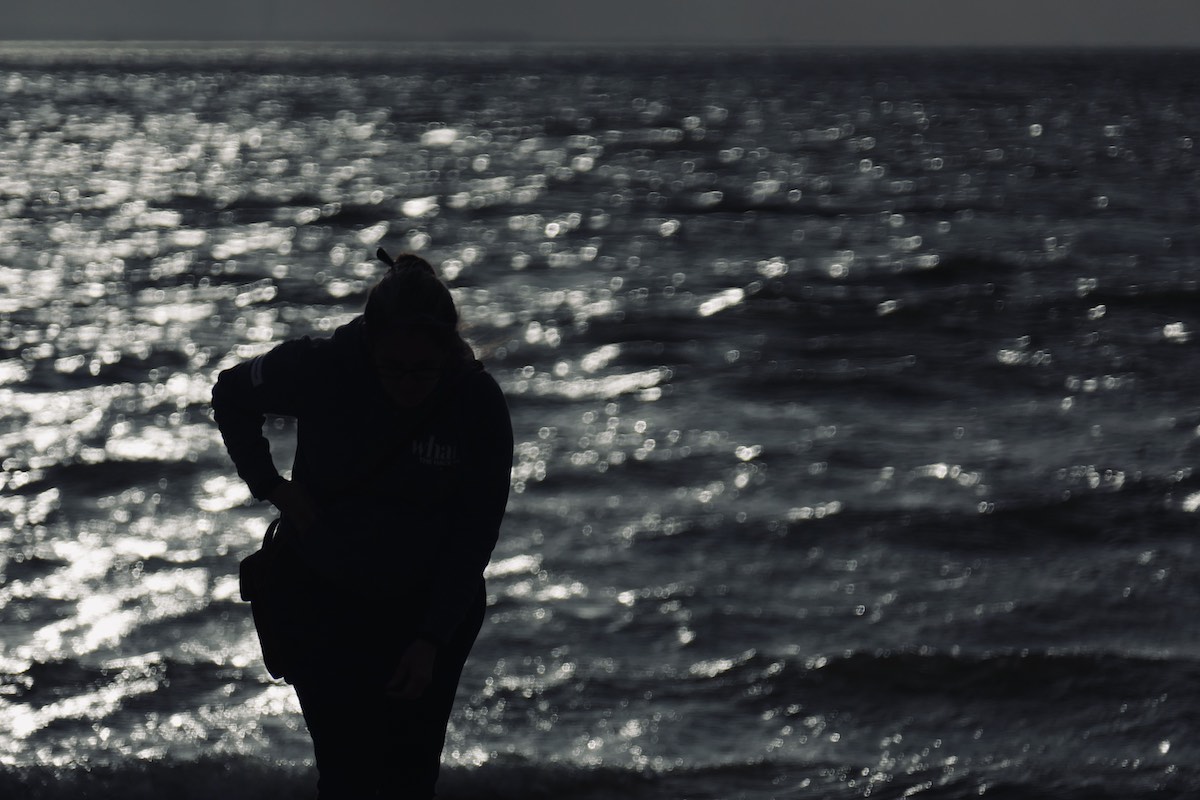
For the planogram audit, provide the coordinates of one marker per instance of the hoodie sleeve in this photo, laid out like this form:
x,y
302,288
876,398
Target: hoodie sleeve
x,y
273,383
477,509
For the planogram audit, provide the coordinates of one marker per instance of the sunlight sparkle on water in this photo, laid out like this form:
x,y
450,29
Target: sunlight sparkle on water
x,y
722,301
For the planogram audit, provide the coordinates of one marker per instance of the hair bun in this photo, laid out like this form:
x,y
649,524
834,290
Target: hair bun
x,y
405,261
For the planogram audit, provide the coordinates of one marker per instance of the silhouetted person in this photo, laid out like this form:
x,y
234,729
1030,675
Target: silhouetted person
x,y
401,476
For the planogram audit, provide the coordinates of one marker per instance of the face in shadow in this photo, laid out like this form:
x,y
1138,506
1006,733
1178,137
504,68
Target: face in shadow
x,y
409,364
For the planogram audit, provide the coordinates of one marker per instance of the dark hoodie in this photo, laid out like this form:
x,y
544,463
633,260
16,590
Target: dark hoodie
x,y
408,502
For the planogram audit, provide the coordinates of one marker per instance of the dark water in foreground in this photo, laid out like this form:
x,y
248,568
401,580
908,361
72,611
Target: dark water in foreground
x,y
854,397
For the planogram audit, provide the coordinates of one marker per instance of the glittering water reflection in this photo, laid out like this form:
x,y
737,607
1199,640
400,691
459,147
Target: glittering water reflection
x,y
831,396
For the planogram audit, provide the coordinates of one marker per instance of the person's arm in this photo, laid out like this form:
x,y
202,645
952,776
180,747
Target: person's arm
x,y
273,383
477,508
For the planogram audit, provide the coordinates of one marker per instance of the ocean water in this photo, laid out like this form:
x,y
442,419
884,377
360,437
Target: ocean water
x,y
855,398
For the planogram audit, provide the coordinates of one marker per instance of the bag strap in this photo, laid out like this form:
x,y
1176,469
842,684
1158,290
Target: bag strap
x,y
272,533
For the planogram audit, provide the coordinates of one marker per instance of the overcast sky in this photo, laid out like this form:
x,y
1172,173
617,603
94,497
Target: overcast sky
x,y
1173,23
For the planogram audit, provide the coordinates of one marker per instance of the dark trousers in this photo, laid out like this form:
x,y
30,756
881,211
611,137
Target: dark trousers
x,y
368,745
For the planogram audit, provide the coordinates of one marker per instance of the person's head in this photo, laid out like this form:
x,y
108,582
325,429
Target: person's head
x,y
412,327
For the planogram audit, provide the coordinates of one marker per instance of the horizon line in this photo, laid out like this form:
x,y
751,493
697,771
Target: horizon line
x,y
392,43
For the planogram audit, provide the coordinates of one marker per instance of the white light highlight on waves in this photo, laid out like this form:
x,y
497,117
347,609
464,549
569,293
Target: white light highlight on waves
x,y
20,720
514,566
608,387
600,358
722,301
439,137
1176,332
374,233
419,206
222,493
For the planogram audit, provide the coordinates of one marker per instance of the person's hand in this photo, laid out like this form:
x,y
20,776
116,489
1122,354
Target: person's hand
x,y
414,673
294,504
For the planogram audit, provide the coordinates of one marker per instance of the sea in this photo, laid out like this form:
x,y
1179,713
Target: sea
x,y
854,393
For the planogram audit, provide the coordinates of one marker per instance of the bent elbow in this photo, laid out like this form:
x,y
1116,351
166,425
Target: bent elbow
x,y
225,390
